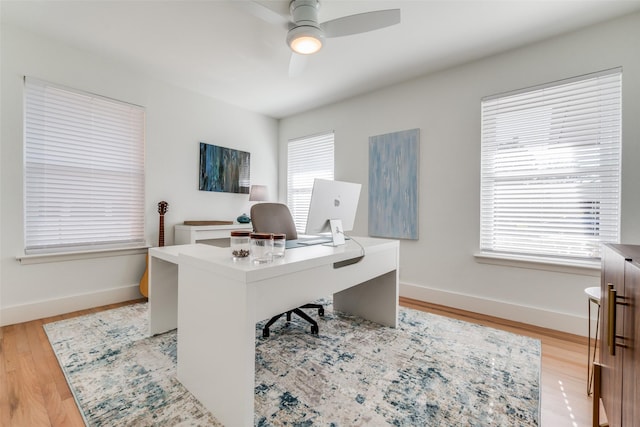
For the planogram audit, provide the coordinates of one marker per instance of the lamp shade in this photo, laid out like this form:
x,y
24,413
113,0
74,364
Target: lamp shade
x,y
258,193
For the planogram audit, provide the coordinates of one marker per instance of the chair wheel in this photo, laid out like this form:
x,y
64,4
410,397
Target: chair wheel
x,y
265,333
321,312
314,330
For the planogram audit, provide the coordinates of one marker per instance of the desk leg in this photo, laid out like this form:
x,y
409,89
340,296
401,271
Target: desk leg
x,y
375,299
163,296
216,344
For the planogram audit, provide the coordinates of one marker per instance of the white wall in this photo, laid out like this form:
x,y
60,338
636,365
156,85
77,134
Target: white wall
x,y
440,267
176,121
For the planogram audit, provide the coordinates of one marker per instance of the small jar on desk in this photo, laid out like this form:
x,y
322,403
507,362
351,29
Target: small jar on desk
x,y
279,244
240,244
261,248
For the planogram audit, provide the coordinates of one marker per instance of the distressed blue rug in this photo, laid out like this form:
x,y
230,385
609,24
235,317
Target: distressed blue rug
x,y
431,371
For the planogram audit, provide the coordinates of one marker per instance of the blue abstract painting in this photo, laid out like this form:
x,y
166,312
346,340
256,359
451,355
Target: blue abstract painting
x,y
393,184
224,169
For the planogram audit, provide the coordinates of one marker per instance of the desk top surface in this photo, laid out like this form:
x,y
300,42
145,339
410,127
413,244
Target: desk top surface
x,y
219,259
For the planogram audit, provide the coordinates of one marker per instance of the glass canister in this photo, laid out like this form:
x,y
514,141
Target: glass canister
x,y
279,243
261,248
240,244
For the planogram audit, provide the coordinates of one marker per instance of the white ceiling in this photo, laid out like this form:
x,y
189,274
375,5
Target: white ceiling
x,y
218,48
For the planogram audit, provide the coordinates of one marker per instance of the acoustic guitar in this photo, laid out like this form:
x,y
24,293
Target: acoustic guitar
x,y
144,282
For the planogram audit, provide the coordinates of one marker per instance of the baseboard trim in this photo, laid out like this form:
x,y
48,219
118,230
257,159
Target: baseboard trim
x,y
563,322
54,307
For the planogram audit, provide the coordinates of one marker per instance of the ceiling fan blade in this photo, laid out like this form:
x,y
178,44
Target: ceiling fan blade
x,y
261,11
361,23
297,64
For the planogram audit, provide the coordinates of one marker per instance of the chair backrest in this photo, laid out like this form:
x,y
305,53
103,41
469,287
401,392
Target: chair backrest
x,y
273,218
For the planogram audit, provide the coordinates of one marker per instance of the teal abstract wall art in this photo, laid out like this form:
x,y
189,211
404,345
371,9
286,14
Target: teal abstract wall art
x,y
393,184
224,169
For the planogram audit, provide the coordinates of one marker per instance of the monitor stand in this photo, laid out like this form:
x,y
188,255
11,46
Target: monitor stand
x,y
337,233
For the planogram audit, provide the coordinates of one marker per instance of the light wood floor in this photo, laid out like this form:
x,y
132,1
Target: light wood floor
x,y
34,393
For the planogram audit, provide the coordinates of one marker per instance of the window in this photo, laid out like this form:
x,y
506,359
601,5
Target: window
x,y
550,174
84,171
307,158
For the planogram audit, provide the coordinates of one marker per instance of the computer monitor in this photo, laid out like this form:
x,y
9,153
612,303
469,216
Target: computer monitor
x,y
332,200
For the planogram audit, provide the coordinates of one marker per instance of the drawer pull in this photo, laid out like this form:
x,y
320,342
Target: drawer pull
x,y
611,336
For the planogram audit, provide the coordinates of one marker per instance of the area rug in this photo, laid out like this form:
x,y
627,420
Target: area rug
x,y
430,371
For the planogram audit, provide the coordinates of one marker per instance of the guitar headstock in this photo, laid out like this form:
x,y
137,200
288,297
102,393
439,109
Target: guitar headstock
x,y
162,207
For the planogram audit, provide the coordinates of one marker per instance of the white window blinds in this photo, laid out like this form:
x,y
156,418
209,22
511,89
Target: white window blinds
x,y
307,158
84,170
550,174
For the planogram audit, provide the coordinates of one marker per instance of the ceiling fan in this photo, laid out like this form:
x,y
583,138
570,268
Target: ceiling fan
x,y
306,35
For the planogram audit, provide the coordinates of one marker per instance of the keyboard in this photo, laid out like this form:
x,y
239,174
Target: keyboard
x,y
314,241
307,241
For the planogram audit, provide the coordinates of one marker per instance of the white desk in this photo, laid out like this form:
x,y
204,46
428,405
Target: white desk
x,y
219,303
190,234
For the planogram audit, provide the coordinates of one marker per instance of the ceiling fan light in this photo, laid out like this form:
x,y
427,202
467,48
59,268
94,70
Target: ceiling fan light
x,y
305,45
305,40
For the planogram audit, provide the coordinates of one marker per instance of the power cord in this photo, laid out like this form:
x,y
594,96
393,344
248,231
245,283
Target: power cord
x,y
351,260
357,243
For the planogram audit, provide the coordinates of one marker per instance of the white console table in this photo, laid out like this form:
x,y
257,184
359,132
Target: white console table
x,y
190,234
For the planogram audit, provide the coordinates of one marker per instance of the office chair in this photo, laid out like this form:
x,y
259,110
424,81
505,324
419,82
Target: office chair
x,y
276,218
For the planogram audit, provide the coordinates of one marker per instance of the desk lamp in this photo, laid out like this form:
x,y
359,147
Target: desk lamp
x,y
257,193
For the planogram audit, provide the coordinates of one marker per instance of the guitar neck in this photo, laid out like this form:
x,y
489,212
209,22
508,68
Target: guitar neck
x,y
161,232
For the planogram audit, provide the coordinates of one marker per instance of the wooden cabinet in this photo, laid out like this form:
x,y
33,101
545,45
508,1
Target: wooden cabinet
x,y
620,323
631,361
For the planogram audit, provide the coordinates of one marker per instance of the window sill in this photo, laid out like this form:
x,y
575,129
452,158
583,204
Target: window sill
x,y
586,268
79,255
